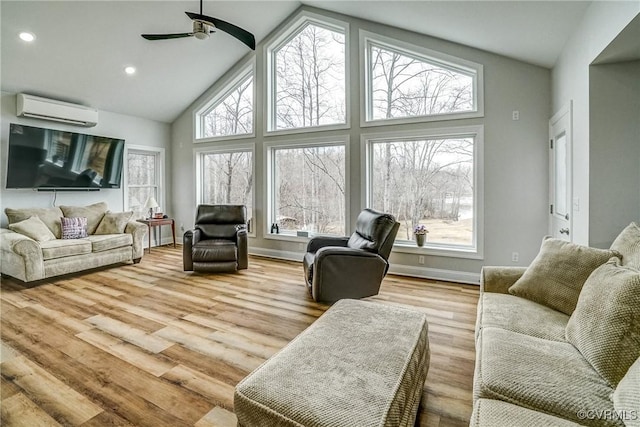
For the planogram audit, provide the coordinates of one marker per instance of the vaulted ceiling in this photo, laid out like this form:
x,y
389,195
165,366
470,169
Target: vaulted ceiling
x,y
82,47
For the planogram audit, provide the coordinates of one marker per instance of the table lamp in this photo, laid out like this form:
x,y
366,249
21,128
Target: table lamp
x,y
151,204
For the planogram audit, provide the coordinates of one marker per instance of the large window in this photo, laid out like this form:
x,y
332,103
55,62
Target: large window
x,y
308,77
230,113
307,188
402,83
144,175
226,177
428,180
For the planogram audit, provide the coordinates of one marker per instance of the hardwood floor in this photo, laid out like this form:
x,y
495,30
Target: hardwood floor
x,y
151,345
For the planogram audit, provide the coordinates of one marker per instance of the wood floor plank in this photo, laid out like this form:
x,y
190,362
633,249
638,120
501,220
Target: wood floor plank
x,y
49,392
217,392
19,411
218,417
131,334
150,344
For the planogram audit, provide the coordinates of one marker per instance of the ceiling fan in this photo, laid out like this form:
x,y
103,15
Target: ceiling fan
x,y
204,25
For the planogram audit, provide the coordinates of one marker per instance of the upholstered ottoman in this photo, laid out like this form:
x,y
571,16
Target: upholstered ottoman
x,y
361,364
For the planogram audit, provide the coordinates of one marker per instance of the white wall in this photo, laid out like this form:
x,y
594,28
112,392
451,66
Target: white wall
x,y
133,130
614,152
602,22
515,170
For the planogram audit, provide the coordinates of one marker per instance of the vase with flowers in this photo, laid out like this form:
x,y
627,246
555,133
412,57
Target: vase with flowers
x,y
420,233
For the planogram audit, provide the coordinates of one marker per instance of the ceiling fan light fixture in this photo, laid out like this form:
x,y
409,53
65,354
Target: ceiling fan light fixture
x,y
201,35
26,36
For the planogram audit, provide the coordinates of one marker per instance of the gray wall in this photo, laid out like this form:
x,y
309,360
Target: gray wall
x,y
134,130
602,22
614,149
515,158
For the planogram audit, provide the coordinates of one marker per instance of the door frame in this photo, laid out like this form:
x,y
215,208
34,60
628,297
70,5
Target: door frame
x,y
565,113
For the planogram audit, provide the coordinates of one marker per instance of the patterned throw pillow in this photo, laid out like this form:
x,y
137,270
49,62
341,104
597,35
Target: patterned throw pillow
x,y
74,228
94,214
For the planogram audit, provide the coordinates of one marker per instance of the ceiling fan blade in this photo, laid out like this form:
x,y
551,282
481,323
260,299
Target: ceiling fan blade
x,y
233,30
166,36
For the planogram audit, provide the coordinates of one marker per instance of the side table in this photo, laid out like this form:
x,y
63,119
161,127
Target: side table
x,y
159,222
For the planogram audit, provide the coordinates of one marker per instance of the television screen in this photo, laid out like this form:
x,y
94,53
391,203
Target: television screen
x,y
47,158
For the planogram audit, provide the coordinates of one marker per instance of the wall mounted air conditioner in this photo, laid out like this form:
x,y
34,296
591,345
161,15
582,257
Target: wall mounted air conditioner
x,y
57,111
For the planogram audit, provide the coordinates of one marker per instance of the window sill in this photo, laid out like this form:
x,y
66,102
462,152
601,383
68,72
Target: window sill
x,y
286,237
438,250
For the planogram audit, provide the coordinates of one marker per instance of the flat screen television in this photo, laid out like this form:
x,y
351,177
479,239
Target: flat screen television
x,y
54,159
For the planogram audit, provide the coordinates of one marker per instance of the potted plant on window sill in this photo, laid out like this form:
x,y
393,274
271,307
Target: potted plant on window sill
x,y
420,233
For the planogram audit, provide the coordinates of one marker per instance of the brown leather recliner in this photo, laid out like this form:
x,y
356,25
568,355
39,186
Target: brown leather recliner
x,y
351,267
219,241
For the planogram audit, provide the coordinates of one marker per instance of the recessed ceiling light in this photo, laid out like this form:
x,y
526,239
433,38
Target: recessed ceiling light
x,y
28,37
130,70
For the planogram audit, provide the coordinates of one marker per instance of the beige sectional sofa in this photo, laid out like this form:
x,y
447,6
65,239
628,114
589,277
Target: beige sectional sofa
x,y
533,369
36,250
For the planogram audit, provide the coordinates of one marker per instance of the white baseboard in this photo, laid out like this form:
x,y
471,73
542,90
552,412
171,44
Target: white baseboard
x,y
435,274
399,269
275,253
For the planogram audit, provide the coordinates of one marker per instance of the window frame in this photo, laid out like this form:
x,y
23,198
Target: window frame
x,y
228,86
476,250
269,182
159,154
428,55
198,159
283,36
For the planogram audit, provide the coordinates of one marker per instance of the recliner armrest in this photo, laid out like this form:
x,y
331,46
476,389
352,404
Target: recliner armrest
x,y
343,251
241,242
322,241
190,238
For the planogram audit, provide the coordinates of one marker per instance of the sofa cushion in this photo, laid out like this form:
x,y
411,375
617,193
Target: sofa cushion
x,y
50,217
104,242
556,275
521,315
495,413
64,248
74,227
605,327
34,228
543,375
626,398
93,213
628,244
114,222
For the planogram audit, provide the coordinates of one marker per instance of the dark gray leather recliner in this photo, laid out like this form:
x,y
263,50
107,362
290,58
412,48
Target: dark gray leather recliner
x,y
219,240
351,267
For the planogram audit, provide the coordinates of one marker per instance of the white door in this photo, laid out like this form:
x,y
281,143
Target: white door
x,y
560,180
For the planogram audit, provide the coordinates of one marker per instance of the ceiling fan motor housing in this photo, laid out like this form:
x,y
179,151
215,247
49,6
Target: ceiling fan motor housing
x,y
201,30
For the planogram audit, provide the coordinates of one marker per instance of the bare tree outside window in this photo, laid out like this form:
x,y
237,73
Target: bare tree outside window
x,y
404,85
233,115
309,189
310,79
426,181
228,179
142,180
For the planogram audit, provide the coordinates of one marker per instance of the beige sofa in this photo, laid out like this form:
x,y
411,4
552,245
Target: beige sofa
x,y
528,370
112,238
